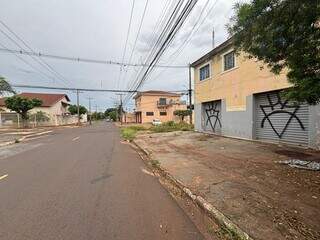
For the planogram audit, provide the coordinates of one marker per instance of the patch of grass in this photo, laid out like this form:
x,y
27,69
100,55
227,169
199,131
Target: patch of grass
x,y
129,133
155,163
172,126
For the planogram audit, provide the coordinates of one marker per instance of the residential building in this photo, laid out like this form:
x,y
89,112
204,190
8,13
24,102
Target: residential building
x,y
239,97
150,105
55,106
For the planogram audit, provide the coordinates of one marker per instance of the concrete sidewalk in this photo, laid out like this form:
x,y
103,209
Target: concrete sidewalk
x,y
245,181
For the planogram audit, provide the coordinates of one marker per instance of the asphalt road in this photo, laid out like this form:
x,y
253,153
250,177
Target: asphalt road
x,y
84,184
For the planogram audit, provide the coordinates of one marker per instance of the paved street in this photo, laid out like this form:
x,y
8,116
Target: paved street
x,y
83,183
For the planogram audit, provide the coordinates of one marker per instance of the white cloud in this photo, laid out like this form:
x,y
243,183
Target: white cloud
x,y
97,29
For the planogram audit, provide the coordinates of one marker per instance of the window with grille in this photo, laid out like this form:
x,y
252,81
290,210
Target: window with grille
x,y
163,113
229,61
149,113
205,72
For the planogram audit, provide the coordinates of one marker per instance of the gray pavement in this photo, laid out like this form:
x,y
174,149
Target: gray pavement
x,y
83,183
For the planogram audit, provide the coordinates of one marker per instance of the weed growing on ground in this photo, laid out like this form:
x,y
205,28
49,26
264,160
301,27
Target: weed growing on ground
x,y
155,163
129,133
172,126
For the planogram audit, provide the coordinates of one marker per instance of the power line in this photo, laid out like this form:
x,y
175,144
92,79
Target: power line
x,y
126,44
73,89
139,29
29,64
40,61
85,60
173,25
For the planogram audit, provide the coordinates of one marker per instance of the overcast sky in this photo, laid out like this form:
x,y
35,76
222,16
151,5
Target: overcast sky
x,y
97,29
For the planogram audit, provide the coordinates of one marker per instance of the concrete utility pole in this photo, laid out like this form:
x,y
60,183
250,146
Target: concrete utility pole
x,y
78,107
190,94
90,109
120,107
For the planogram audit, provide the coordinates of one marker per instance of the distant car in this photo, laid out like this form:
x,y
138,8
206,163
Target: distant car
x,y
156,122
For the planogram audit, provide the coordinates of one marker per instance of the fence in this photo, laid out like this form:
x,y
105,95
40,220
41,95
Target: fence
x,y
13,120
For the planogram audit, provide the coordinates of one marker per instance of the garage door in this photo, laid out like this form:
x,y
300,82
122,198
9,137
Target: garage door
x,y
278,120
212,116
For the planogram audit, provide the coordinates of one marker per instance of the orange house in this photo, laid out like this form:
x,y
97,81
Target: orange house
x,y
160,105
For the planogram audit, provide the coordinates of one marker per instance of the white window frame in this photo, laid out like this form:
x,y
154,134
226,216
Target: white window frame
x,y
222,60
210,71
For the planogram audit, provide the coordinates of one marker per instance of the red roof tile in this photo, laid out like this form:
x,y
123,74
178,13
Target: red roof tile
x,y
48,99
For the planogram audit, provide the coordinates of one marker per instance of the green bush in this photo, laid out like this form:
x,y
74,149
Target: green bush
x,y
128,133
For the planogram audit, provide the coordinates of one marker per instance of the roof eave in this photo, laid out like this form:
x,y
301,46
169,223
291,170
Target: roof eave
x,y
213,52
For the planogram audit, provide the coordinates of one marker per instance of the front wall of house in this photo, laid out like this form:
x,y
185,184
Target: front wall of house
x,y
147,103
240,90
235,85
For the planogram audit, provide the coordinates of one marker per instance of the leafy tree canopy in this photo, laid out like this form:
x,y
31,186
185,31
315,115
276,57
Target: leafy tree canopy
x,y
109,110
73,109
22,105
182,113
5,86
284,34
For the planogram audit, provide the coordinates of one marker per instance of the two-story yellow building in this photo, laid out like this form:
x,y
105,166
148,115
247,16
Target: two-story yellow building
x,y
239,97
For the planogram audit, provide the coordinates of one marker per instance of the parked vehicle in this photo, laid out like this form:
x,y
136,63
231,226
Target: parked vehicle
x,y
156,122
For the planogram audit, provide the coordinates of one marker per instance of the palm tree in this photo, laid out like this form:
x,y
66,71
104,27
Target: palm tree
x,y
5,87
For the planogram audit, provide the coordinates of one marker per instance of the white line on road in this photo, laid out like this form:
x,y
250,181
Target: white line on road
x,y
4,176
75,139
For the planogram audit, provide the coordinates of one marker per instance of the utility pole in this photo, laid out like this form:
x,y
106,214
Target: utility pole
x,y
120,107
78,107
190,94
90,109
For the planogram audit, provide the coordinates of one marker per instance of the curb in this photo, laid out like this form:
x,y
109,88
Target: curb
x,y
24,137
210,210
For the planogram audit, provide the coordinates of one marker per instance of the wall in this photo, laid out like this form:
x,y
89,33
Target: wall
x,y
148,103
238,123
236,84
314,127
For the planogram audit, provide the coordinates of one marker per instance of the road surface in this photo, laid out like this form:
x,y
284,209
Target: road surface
x,y
84,184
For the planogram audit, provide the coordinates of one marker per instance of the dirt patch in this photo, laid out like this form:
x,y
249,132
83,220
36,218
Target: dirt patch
x,y
245,181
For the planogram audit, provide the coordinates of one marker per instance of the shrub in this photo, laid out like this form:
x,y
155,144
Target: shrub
x,y
128,133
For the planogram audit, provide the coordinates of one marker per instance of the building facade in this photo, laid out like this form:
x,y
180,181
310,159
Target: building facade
x,y
239,97
150,105
55,107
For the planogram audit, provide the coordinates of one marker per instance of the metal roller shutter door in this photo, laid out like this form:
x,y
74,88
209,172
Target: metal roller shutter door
x,y
212,116
295,117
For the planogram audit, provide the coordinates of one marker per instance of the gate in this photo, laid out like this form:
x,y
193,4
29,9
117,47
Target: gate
x,y
278,120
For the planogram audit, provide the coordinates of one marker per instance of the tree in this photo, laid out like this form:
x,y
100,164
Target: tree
x,y
108,111
113,115
22,105
5,86
182,113
284,34
73,109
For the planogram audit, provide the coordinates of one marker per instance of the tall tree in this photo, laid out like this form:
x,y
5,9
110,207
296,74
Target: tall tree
x,y
284,34
22,105
5,86
73,109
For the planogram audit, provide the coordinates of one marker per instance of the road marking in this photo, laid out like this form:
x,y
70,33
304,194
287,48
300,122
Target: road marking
x,y
4,176
75,139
